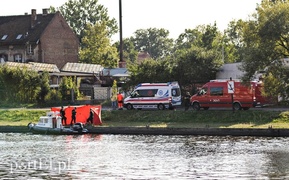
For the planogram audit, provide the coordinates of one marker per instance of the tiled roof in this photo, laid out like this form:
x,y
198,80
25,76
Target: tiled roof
x,y
82,68
44,67
21,25
16,64
39,67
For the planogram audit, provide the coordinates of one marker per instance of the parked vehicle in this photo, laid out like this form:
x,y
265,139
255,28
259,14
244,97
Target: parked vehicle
x,y
154,95
217,93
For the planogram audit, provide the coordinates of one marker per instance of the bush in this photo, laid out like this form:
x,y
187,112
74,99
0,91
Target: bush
x,y
52,96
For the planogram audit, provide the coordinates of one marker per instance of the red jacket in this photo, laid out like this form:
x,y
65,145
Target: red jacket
x,y
119,97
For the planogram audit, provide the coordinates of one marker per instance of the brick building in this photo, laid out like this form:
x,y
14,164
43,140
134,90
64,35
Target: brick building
x,y
42,38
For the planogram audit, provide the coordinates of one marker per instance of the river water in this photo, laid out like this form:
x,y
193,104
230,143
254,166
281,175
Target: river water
x,y
27,156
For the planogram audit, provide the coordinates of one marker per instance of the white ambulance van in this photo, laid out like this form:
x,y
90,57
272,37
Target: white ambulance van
x,y
154,96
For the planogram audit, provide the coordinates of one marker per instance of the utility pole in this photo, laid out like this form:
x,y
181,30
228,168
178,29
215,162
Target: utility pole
x,y
120,34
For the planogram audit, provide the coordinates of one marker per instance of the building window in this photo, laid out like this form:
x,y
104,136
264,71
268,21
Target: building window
x,y
19,36
4,37
18,58
3,57
29,49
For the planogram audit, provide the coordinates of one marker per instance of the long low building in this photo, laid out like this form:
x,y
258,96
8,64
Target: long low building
x,y
95,80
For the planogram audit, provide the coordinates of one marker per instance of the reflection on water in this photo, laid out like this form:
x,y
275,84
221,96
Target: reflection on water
x,y
26,156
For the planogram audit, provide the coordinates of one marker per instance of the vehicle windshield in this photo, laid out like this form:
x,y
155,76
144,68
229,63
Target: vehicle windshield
x,y
176,92
134,94
202,91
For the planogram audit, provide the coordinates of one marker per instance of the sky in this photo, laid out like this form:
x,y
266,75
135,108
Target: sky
x,y
172,15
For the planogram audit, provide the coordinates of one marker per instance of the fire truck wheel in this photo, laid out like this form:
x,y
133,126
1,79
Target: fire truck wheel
x,y
237,106
196,106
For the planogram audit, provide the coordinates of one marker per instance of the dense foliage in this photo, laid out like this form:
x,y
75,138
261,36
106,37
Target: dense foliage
x,y
68,88
22,85
96,48
265,43
195,59
154,41
260,43
81,13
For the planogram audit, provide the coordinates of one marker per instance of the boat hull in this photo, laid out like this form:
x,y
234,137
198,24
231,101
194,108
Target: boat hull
x,y
57,131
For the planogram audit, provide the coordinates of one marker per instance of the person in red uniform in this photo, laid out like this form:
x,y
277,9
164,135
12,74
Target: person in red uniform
x,y
120,101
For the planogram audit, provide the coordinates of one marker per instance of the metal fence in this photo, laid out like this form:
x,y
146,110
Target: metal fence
x,y
101,93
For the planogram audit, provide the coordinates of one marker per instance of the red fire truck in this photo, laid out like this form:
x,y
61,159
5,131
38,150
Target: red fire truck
x,y
225,93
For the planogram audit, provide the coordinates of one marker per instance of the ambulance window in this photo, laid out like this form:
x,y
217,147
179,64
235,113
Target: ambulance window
x,y
216,91
147,92
142,93
176,92
152,92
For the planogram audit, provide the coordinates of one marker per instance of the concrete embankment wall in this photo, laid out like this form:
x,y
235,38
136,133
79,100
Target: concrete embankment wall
x,y
14,129
191,131
170,131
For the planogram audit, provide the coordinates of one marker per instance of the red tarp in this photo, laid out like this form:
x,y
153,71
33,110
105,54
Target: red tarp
x,y
82,113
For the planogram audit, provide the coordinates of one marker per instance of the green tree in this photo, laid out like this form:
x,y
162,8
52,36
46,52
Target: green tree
x,y
196,65
266,42
206,36
272,86
209,35
21,84
197,55
53,96
7,76
196,58
149,71
154,41
44,87
29,85
130,52
96,48
3,89
67,86
80,13
233,41
189,38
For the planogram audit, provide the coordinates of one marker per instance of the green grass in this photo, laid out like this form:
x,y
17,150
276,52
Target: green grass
x,y
167,118
197,119
19,117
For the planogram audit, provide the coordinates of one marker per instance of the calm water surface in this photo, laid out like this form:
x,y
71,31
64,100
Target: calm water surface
x,y
26,156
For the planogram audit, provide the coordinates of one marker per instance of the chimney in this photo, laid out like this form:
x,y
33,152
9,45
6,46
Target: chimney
x,y
44,12
33,17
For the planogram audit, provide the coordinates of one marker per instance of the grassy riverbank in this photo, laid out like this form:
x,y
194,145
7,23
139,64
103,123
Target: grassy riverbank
x,y
171,119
